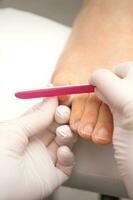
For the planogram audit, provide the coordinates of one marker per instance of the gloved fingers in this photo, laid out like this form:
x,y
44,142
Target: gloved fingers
x,y
101,97
53,127
52,149
110,86
124,70
64,136
62,114
39,118
105,80
46,137
65,162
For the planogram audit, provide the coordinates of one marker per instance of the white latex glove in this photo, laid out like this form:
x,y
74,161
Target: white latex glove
x,y
116,90
33,160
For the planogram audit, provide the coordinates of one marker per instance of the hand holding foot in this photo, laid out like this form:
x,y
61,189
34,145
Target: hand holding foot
x,y
118,94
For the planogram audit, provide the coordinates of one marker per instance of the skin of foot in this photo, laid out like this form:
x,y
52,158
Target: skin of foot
x,y
102,36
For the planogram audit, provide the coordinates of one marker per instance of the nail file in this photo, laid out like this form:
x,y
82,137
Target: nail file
x,y
55,91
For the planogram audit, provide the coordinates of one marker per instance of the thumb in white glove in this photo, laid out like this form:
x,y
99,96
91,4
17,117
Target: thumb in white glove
x,y
116,90
33,159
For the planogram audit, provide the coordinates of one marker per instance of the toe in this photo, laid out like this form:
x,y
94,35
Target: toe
x,y
104,128
89,117
60,80
77,109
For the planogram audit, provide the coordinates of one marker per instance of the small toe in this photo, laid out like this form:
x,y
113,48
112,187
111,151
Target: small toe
x,y
77,110
89,117
104,128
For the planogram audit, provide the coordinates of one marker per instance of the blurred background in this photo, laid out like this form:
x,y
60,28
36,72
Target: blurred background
x,y
63,11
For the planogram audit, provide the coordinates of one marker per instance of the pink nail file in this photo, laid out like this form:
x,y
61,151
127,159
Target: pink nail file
x,y
55,91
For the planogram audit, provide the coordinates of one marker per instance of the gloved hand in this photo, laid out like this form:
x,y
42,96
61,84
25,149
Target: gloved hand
x,y
33,160
116,89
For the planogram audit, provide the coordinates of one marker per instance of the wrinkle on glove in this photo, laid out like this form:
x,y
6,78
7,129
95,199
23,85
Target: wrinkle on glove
x,y
116,89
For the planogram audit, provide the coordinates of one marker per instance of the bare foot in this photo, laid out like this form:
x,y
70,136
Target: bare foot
x,y
101,37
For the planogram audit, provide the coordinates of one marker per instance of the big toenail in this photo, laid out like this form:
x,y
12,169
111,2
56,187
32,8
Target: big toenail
x,y
103,134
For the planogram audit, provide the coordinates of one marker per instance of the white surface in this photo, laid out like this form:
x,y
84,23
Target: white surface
x,y
30,46
65,193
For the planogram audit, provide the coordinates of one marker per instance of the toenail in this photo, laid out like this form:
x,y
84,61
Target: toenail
x,y
102,134
87,130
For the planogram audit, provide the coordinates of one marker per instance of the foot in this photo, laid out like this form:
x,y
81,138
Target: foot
x,y
99,39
